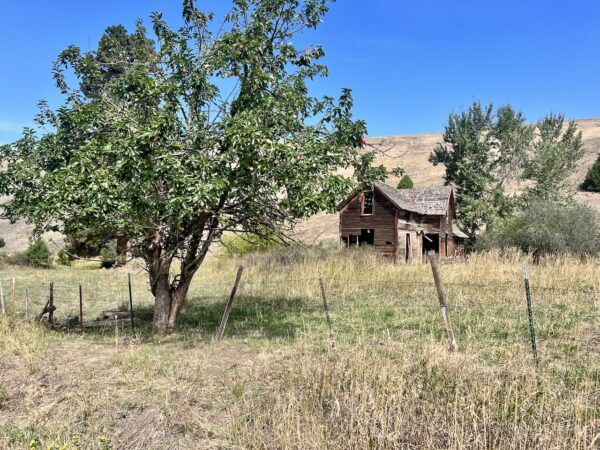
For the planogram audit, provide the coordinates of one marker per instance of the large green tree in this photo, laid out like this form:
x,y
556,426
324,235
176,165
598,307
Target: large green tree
x,y
554,155
481,150
484,149
212,129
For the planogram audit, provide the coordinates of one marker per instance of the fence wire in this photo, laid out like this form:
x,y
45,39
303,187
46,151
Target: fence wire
x,y
489,320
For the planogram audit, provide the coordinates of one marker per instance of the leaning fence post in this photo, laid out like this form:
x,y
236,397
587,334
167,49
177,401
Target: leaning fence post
x,y
81,304
530,312
225,317
2,298
130,303
453,346
326,309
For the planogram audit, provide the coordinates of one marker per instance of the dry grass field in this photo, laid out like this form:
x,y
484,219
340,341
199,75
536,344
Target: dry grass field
x,y
277,381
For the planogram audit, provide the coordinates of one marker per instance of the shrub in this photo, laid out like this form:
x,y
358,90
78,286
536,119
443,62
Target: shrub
x,y
592,179
238,245
547,228
63,259
38,254
405,182
2,243
108,255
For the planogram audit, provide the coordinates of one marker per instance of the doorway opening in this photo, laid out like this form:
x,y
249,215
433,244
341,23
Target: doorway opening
x,y
367,237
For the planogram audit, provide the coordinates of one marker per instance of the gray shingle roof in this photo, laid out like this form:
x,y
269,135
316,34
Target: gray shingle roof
x,y
430,200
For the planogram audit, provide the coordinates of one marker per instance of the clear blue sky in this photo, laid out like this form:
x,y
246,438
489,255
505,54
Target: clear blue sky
x,y
408,62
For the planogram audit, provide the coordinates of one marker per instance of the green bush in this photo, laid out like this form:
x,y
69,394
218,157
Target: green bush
x,y
108,255
547,228
592,179
240,245
63,259
2,243
405,182
38,254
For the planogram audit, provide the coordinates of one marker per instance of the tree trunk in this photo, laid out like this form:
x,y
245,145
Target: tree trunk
x,y
178,299
122,241
162,303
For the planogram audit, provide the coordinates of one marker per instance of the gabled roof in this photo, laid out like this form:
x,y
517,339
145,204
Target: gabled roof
x,y
429,200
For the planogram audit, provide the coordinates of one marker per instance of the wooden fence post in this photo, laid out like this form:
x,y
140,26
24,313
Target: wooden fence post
x,y
81,304
2,299
51,307
225,317
453,346
326,309
530,312
130,303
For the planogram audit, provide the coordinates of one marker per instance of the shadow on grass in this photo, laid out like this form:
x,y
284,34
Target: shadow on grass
x,y
249,317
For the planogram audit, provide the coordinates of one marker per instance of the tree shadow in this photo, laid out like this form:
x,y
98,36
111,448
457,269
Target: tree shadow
x,y
249,317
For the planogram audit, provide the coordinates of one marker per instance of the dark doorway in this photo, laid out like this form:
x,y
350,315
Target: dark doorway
x,y
407,251
431,242
367,237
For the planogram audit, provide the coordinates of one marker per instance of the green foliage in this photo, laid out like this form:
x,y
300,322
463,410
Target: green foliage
x,y
548,227
240,245
592,179
405,182
63,259
483,149
198,135
108,255
553,156
2,242
38,254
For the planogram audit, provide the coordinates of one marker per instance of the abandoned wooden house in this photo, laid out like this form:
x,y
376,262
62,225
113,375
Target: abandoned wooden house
x,y
403,224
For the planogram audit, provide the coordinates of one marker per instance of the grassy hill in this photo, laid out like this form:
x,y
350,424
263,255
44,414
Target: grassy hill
x,y
412,152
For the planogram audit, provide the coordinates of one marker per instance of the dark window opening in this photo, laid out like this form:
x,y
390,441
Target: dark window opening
x,y
367,237
367,206
431,242
407,254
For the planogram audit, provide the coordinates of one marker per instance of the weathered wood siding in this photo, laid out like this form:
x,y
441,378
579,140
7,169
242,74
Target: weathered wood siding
x,y
382,221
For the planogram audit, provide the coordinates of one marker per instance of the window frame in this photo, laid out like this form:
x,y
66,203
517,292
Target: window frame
x,y
362,203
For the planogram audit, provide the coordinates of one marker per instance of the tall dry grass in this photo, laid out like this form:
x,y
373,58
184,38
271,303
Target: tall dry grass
x,y
276,382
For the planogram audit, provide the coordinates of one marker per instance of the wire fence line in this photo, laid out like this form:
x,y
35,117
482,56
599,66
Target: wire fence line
x,y
489,319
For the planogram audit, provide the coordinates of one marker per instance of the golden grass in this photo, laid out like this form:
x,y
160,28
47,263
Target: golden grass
x,y
277,383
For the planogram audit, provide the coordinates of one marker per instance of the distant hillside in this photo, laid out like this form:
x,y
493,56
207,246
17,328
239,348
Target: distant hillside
x,y
411,152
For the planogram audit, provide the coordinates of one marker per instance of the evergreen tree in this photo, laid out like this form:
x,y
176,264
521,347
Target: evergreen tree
x,y
405,183
592,179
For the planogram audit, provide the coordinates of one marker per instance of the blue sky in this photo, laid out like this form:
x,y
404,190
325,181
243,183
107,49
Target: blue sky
x,y
408,62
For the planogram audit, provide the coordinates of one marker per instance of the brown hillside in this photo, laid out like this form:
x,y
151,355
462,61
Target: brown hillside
x,y
412,152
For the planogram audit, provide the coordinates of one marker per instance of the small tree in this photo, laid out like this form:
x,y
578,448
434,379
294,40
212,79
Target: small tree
x,y
546,227
38,254
405,183
2,242
203,133
592,179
